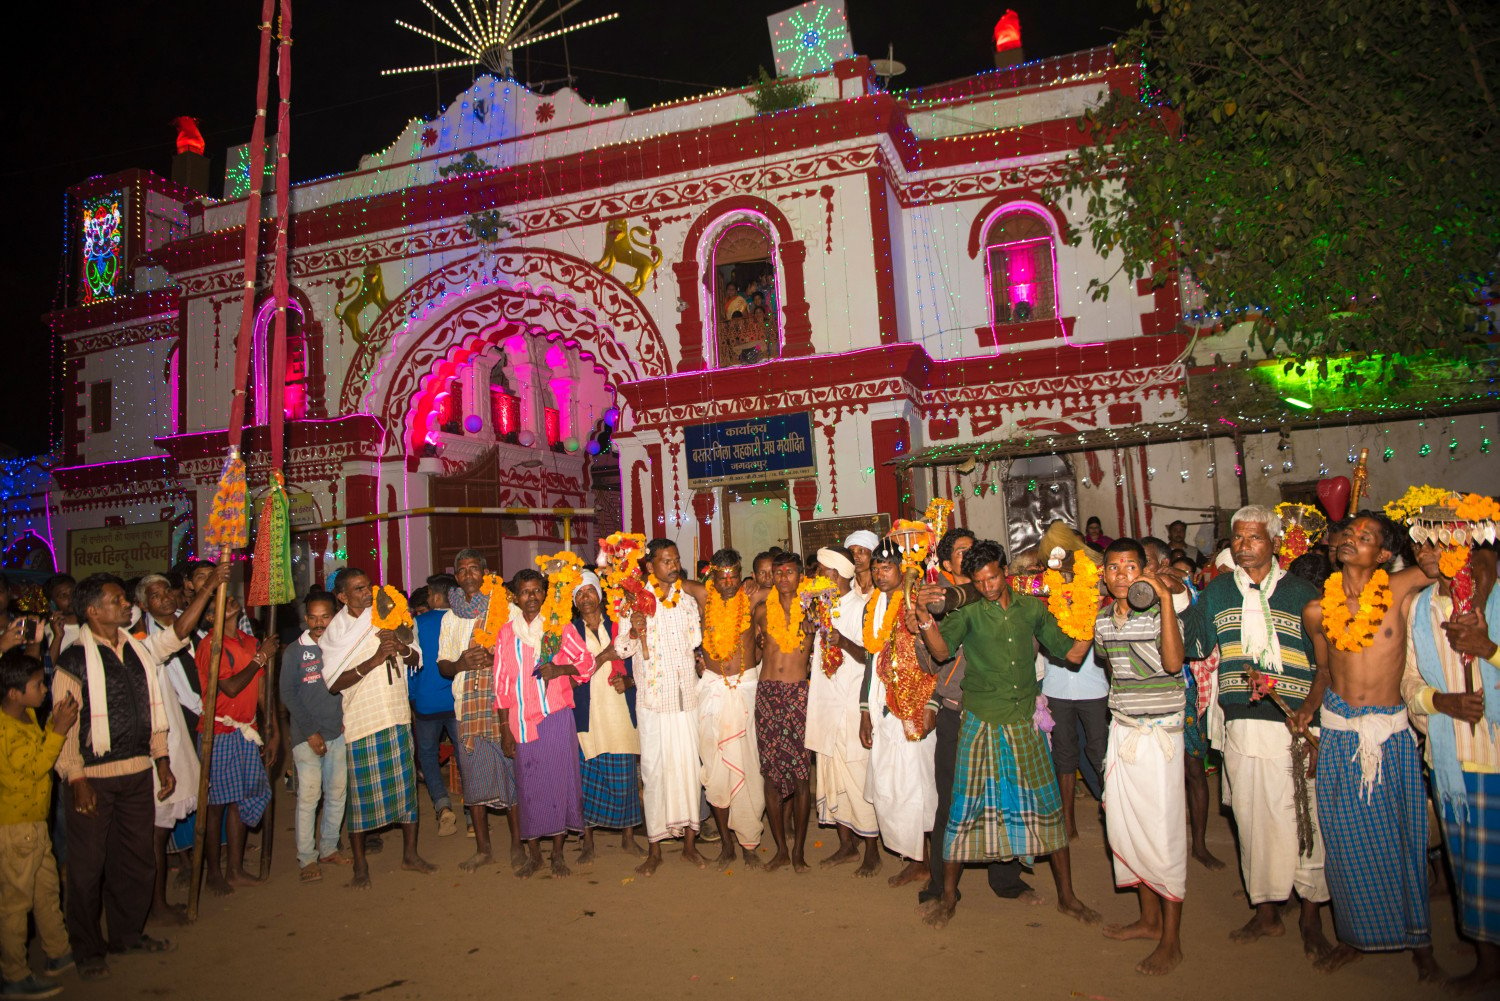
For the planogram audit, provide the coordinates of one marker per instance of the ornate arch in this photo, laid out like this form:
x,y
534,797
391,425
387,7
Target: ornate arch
x,y
517,285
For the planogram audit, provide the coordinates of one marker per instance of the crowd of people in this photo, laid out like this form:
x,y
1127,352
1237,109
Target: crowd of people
x,y
942,718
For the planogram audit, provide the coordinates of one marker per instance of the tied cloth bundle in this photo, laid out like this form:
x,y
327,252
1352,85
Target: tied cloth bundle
x,y
819,598
271,570
228,527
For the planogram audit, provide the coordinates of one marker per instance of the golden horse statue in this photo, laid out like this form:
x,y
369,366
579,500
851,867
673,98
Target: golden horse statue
x,y
631,246
369,290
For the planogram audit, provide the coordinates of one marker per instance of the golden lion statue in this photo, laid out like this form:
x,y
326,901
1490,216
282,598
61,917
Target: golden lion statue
x,y
632,246
369,290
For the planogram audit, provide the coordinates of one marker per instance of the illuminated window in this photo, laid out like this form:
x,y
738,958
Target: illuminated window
x,y
103,247
1021,267
745,300
294,375
505,412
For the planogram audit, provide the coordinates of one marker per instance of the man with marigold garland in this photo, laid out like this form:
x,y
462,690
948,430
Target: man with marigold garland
x,y
785,638
1371,801
1253,616
1006,802
367,664
1463,761
726,711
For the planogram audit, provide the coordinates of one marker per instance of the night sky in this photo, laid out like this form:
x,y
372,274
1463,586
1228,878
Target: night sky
x,y
93,88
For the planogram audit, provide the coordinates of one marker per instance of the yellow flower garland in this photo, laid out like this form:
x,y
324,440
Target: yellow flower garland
x,y
622,552
785,630
564,572
1347,630
496,615
724,623
875,640
1415,499
1074,604
673,595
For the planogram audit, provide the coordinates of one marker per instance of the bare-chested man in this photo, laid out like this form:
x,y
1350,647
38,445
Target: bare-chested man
x,y
781,709
726,710
1370,795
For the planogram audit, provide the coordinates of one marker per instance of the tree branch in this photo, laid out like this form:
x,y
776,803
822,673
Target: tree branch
x,y
1467,44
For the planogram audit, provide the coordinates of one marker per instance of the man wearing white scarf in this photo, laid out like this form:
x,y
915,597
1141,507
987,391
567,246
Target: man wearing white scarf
x,y
1254,615
107,761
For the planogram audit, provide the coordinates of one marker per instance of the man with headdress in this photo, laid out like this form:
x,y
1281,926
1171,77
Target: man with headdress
x,y
604,712
1451,673
108,761
1254,617
833,726
487,774
860,545
898,713
1006,802
534,693
367,665
732,779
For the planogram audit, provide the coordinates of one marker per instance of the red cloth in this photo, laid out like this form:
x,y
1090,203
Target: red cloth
x,y
239,650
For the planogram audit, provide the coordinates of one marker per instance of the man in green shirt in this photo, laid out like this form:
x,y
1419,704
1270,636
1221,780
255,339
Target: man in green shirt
x,y
1002,756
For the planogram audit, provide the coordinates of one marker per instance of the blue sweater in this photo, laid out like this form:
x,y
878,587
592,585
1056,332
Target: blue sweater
x,y
431,693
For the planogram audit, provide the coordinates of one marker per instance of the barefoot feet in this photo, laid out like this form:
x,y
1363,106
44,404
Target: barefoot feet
x,y
1162,961
1209,861
416,863
1338,957
1257,928
476,860
912,872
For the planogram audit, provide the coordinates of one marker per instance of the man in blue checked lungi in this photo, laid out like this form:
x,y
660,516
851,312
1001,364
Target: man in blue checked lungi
x,y
1371,803
1461,716
1006,802
368,666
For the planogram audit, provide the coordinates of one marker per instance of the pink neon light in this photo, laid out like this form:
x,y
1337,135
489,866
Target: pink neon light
x,y
552,424
294,402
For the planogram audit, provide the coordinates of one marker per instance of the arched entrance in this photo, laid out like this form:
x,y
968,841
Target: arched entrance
x,y
496,390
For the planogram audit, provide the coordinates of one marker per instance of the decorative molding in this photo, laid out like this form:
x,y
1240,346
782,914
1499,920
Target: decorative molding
x,y
121,337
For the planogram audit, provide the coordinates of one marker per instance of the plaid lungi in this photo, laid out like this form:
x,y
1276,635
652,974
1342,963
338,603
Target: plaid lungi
x,y
1006,802
780,729
1473,834
238,776
612,790
489,777
382,780
1376,847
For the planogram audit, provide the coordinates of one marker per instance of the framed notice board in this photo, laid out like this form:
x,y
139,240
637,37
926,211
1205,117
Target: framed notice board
x,y
833,531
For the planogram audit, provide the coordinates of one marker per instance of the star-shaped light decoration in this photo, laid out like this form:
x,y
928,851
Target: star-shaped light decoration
x,y
487,32
810,38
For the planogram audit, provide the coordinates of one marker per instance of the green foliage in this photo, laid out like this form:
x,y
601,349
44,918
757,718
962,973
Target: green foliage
x,y
1327,168
772,94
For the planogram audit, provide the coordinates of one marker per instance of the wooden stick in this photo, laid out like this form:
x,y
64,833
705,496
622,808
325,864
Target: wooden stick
x,y
269,720
206,746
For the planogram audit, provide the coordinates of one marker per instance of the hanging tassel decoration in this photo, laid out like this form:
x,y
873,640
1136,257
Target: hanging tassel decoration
x,y
271,571
228,527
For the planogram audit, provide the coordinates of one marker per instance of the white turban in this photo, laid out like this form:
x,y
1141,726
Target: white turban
x,y
589,579
863,537
837,562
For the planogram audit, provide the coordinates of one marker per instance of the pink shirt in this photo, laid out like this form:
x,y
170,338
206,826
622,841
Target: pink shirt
x,y
528,699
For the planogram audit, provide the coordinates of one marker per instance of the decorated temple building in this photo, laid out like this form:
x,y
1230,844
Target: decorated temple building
x,y
691,320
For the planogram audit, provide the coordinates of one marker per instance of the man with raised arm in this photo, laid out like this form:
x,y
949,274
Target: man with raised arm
x,y
786,640
1254,617
1371,802
726,711
1006,802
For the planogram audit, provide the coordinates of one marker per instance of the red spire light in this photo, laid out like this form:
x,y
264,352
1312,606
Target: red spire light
x,y
1008,32
189,139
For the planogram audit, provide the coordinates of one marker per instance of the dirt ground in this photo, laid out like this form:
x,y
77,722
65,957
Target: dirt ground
x,y
685,932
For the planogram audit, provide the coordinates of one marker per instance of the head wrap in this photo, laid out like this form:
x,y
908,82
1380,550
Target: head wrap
x,y
863,537
588,579
837,562
886,552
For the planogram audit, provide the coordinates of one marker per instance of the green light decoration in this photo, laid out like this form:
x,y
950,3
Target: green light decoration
x,y
809,38
1484,445
1424,451
1300,404
1389,453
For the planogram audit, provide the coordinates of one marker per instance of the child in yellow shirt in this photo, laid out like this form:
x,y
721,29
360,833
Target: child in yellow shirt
x,y
28,872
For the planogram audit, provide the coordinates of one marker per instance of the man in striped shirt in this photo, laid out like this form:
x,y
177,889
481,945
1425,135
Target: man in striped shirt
x,y
1145,801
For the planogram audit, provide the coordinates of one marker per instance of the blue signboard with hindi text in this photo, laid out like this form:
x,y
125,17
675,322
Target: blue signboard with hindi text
x,y
750,451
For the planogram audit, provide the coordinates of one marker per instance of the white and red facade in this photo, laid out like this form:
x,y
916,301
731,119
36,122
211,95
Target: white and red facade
x,y
924,291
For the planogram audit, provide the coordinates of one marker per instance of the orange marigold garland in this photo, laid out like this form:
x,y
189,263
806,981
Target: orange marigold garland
x,y
876,638
783,627
619,564
564,571
1452,560
1075,603
496,614
725,623
390,610
1354,631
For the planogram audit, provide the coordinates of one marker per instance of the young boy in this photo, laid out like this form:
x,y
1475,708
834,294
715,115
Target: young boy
x,y
28,872
1145,800
317,740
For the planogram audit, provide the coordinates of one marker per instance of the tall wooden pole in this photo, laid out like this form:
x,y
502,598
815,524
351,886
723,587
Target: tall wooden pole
x,y
269,721
206,747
